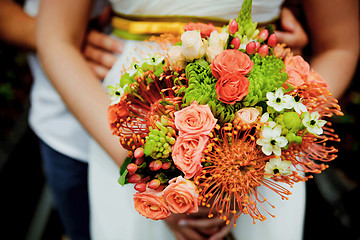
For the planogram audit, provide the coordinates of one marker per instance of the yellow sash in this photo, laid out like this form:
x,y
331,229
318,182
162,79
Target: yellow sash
x,y
142,27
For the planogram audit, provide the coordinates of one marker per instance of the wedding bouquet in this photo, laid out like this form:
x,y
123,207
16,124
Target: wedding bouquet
x,y
223,112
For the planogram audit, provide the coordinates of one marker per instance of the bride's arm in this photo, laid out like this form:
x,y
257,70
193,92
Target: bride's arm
x,y
60,32
334,30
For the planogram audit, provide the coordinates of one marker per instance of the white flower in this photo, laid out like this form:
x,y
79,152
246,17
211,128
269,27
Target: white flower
x,y
271,141
276,165
115,93
278,101
312,123
297,105
134,68
212,52
218,40
176,57
193,46
217,44
154,60
265,117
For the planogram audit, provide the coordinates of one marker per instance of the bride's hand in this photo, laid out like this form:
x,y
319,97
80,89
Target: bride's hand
x,y
181,231
292,33
213,228
198,226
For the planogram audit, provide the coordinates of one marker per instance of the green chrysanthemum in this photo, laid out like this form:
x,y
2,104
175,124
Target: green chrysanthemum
x,y
201,88
267,75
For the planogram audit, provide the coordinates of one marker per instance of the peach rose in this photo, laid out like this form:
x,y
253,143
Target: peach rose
x,y
195,119
295,79
247,115
187,153
193,46
151,205
231,61
299,65
176,57
181,196
314,77
205,29
232,87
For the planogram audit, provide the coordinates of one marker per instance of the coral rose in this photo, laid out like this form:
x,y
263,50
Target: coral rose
x,y
151,205
176,57
247,115
195,119
193,46
295,79
181,196
299,65
205,29
231,61
187,153
232,87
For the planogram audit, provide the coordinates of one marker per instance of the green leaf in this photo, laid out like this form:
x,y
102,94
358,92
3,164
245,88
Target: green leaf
x,y
122,178
124,166
124,172
163,178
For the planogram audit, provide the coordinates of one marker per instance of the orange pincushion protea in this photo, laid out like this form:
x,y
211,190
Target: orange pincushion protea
x,y
234,165
152,97
233,169
313,148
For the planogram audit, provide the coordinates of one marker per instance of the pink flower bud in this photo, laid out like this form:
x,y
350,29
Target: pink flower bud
x,y
263,35
132,167
166,165
139,152
145,179
140,187
153,184
272,41
251,48
155,165
236,43
257,46
264,50
134,178
139,161
160,188
233,26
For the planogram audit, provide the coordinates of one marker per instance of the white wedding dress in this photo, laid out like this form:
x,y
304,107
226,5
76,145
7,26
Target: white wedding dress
x,y
112,210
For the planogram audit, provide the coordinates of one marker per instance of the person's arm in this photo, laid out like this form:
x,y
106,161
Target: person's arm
x,y
16,27
60,31
334,30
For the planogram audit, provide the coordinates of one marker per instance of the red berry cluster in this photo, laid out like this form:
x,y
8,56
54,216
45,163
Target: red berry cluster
x,y
145,172
263,50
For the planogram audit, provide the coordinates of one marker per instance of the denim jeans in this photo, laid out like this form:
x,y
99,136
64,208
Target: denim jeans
x,y
67,179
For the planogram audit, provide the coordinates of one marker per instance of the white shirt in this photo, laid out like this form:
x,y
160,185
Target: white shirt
x,y
49,117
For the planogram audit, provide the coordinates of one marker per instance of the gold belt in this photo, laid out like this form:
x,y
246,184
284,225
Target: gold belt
x,y
141,27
